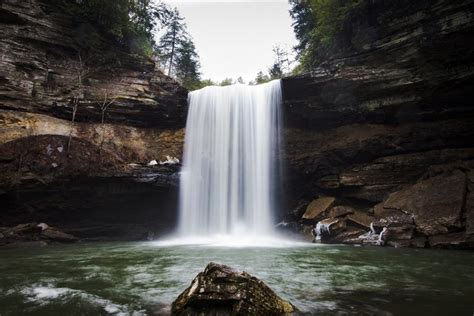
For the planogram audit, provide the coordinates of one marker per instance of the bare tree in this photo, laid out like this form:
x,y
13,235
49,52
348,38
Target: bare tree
x,y
80,72
106,99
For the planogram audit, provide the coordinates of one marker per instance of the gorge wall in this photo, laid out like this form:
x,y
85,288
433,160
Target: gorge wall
x,y
383,131
86,176
379,133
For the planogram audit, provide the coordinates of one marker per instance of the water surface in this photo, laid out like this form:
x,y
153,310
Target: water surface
x,y
143,278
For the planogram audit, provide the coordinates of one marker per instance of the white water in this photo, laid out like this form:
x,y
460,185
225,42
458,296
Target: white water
x,y
227,180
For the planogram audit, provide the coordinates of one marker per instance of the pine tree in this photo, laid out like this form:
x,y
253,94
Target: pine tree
x,y
303,23
175,32
261,78
187,63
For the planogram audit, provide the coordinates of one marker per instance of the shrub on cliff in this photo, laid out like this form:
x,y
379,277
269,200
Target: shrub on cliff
x,y
130,22
319,25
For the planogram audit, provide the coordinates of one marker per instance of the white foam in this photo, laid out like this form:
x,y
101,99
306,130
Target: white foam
x,y
44,295
232,241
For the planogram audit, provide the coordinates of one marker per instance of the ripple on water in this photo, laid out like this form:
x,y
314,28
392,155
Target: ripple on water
x,y
41,295
144,278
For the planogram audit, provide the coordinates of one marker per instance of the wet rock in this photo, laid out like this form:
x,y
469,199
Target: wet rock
x,y
23,230
449,240
341,210
221,290
317,207
328,228
349,236
395,232
54,234
360,219
419,242
33,233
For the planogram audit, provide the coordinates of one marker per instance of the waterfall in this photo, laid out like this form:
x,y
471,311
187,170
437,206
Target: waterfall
x,y
229,166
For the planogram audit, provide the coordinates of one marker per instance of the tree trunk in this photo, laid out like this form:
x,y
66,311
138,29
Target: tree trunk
x,y
172,51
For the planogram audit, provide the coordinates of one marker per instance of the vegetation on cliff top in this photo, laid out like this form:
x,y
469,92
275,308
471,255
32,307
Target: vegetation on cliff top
x,y
134,23
318,25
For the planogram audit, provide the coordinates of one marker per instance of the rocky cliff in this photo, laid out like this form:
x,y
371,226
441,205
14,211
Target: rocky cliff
x,y
386,126
64,160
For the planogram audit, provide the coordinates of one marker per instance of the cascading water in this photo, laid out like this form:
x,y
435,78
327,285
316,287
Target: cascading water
x,y
229,165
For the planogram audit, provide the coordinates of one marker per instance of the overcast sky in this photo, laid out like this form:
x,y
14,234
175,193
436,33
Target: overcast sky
x,y
235,38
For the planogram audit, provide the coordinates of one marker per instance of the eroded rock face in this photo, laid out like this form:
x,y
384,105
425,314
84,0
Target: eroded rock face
x,y
221,290
435,204
384,112
87,178
42,48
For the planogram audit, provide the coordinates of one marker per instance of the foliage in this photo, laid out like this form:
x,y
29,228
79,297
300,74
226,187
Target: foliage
x,y
130,22
175,35
226,82
178,54
261,78
303,23
187,63
318,24
281,64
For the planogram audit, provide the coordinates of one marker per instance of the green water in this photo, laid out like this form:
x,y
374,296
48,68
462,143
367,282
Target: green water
x,y
143,278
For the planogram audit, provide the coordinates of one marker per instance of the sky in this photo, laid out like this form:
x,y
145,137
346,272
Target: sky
x,y
235,38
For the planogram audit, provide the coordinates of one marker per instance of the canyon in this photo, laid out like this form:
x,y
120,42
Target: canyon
x,y
378,136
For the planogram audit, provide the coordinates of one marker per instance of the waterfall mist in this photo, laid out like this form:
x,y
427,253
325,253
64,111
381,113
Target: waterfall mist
x,y
229,165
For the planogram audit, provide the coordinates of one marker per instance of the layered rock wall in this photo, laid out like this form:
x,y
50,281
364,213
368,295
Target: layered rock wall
x,y
57,171
389,109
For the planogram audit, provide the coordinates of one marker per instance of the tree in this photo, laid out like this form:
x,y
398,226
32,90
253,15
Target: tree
x,y
175,35
319,26
187,64
275,71
261,78
106,99
226,82
281,64
131,22
240,80
303,23
80,71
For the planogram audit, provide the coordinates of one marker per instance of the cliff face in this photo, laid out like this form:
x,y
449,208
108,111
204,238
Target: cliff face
x,y
51,166
43,52
393,111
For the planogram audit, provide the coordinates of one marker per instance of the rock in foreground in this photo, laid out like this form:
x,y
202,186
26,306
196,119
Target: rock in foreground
x,y
221,290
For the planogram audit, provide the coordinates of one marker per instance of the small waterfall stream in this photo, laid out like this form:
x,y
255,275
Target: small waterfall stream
x,y
229,167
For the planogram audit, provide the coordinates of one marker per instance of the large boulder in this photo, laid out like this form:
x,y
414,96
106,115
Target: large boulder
x,y
435,204
221,290
317,207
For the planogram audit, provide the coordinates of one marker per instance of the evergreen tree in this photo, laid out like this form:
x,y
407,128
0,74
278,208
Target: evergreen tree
x,y
175,35
275,71
187,63
261,78
226,82
303,23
